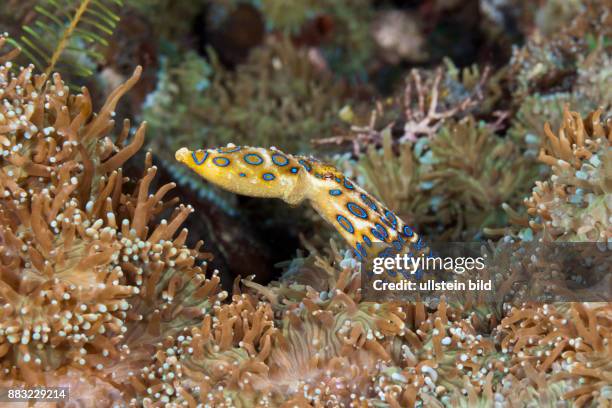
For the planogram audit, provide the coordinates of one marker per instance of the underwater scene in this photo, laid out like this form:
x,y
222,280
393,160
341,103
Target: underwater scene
x,y
306,203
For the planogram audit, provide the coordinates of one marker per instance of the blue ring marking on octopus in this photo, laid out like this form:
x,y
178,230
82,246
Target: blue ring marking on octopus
x,y
368,201
345,223
279,159
338,180
397,244
228,149
358,255
367,240
391,217
361,249
221,161
335,192
392,273
406,274
195,158
356,210
407,231
348,184
305,165
268,176
379,232
253,159
419,244
385,221
294,170
242,175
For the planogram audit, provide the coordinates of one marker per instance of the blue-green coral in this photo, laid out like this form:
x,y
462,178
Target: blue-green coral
x,y
276,98
453,185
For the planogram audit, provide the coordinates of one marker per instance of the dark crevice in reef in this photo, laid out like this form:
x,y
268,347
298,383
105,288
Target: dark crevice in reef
x,y
231,34
238,247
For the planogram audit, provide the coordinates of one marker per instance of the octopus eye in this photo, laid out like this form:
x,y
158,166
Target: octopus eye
x,y
328,176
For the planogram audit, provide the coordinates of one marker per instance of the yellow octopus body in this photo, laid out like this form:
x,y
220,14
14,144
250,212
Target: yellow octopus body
x,y
258,172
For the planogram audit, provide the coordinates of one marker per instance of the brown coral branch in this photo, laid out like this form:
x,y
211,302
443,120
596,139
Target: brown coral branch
x,y
124,154
101,122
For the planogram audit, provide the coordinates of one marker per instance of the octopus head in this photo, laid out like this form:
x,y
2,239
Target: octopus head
x,y
326,174
326,179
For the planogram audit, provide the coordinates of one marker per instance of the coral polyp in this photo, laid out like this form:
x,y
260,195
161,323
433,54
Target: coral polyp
x,y
80,263
574,203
